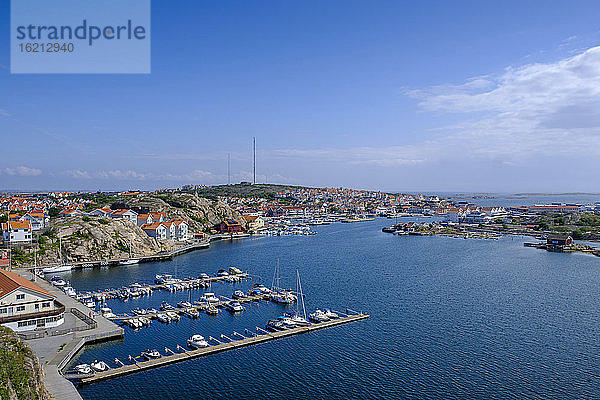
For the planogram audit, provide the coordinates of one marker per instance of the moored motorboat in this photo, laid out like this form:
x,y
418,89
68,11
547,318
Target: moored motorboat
x,y
83,369
173,315
238,294
192,313
151,354
318,316
164,318
197,342
234,306
330,314
212,310
184,304
99,366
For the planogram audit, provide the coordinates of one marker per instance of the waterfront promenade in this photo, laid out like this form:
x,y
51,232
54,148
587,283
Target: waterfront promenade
x,y
56,347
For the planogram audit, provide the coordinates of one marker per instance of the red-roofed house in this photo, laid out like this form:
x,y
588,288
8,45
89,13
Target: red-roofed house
x,y
101,212
156,230
125,213
16,232
38,220
25,306
143,219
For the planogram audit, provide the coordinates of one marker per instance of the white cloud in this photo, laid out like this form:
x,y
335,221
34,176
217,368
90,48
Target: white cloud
x,y
4,113
78,174
21,171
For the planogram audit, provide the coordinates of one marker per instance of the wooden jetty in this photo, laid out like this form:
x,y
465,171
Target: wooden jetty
x,y
188,355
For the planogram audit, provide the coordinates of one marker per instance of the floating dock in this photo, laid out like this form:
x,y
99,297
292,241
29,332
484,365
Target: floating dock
x,y
188,355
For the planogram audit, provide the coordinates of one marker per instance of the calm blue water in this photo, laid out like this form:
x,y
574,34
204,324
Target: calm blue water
x,y
450,319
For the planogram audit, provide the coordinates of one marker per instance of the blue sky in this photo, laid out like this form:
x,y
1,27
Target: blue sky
x,y
396,96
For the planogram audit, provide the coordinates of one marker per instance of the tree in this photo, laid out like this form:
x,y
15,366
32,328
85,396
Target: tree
x,y
54,212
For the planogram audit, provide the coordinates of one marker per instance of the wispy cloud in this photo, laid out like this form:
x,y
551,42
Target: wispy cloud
x,y
4,113
21,171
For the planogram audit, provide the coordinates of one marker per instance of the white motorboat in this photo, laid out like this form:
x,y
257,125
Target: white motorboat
x,y
184,304
173,316
135,323
69,291
151,354
164,318
144,321
89,302
234,271
330,314
58,281
318,316
234,306
83,369
238,294
107,313
99,366
197,342
209,297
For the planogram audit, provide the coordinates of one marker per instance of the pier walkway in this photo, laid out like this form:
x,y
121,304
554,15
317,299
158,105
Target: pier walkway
x,y
188,355
55,351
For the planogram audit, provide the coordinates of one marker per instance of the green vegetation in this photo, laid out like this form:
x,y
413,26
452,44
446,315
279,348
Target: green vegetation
x,y
103,221
54,212
266,191
85,218
16,368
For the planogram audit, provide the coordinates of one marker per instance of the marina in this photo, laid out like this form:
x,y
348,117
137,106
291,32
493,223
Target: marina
x,y
252,339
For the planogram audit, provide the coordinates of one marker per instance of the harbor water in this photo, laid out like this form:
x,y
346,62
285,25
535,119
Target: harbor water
x,y
450,319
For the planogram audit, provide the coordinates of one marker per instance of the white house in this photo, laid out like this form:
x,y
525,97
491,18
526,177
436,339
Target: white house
x,y
38,220
16,232
181,229
25,306
125,213
156,230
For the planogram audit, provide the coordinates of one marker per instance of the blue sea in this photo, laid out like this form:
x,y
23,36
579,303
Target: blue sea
x,y
450,319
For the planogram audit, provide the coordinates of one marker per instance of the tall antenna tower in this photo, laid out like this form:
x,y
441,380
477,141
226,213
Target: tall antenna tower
x,y
229,168
254,156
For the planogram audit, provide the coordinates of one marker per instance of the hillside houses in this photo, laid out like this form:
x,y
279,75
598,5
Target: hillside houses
x,y
176,230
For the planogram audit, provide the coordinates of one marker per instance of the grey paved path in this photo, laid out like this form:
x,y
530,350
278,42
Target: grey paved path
x,y
55,352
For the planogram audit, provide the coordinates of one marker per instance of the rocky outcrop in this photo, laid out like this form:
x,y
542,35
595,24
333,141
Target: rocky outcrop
x,y
202,214
20,371
87,239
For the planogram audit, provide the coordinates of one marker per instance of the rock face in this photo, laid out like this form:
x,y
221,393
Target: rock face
x,y
202,213
88,239
20,371
92,239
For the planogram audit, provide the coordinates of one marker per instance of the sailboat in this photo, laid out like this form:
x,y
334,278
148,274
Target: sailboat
x,y
130,260
278,295
60,267
297,319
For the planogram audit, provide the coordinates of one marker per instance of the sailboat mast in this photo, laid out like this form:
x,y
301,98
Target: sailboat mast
x,y
301,294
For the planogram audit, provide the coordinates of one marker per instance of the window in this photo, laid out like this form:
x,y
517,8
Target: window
x,y
20,308
45,305
23,323
37,306
3,311
20,296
